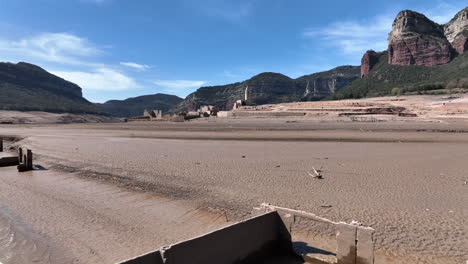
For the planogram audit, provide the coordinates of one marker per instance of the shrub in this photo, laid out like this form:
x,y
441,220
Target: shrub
x,y
395,91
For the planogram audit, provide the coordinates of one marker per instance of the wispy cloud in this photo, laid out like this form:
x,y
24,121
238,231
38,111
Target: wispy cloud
x,y
179,84
443,12
72,58
62,48
178,87
355,37
102,79
136,66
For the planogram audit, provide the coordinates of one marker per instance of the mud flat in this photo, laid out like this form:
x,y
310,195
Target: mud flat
x,y
113,191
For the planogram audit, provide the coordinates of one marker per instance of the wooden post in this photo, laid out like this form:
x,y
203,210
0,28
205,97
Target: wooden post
x,y
20,155
1,144
29,162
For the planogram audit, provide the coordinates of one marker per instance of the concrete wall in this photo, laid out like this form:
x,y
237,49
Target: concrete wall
x,y
355,244
228,245
9,161
225,114
266,114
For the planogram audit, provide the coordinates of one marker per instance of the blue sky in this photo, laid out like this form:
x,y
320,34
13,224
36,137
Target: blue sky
x,y
116,49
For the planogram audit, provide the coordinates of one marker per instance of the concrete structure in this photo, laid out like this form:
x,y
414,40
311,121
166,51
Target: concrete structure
x,y
247,99
25,160
208,110
8,161
153,114
256,238
238,104
355,243
264,237
148,115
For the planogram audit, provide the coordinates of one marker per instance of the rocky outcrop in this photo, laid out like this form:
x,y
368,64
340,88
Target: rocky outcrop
x,y
324,84
28,87
456,31
416,40
269,88
30,75
368,61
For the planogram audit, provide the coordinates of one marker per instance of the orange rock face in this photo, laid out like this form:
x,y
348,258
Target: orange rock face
x,y
416,40
368,61
419,50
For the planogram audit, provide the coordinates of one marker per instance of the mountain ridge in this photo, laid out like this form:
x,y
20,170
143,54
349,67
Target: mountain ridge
x,y
270,87
134,106
28,87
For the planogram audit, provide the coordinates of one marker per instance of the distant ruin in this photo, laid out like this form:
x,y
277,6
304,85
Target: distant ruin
x,y
23,161
154,115
157,115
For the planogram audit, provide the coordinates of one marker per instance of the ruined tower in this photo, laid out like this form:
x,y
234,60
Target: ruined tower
x,y
247,95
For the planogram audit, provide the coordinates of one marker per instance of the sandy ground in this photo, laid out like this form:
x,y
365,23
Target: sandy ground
x,y
113,191
50,217
37,117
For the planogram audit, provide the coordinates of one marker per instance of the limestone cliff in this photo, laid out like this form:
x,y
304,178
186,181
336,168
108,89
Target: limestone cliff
x,y
456,31
416,40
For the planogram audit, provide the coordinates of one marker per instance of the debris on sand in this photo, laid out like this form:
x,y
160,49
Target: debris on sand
x,y
317,173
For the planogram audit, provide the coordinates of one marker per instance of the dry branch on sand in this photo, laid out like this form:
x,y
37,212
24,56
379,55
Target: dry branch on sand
x,y
317,173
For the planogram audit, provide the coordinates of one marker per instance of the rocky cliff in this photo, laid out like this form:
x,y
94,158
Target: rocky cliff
x,y
266,88
386,79
368,62
25,86
456,31
416,40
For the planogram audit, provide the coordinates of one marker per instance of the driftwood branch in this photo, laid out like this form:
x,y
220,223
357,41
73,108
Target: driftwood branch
x,y
317,173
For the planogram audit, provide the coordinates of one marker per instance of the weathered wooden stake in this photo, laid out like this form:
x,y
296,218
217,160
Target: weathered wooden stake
x,y
29,162
20,155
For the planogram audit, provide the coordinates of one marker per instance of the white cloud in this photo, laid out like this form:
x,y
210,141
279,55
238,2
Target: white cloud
x,y
101,79
443,12
179,84
72,57
355,37
136,66
178,87
61,48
